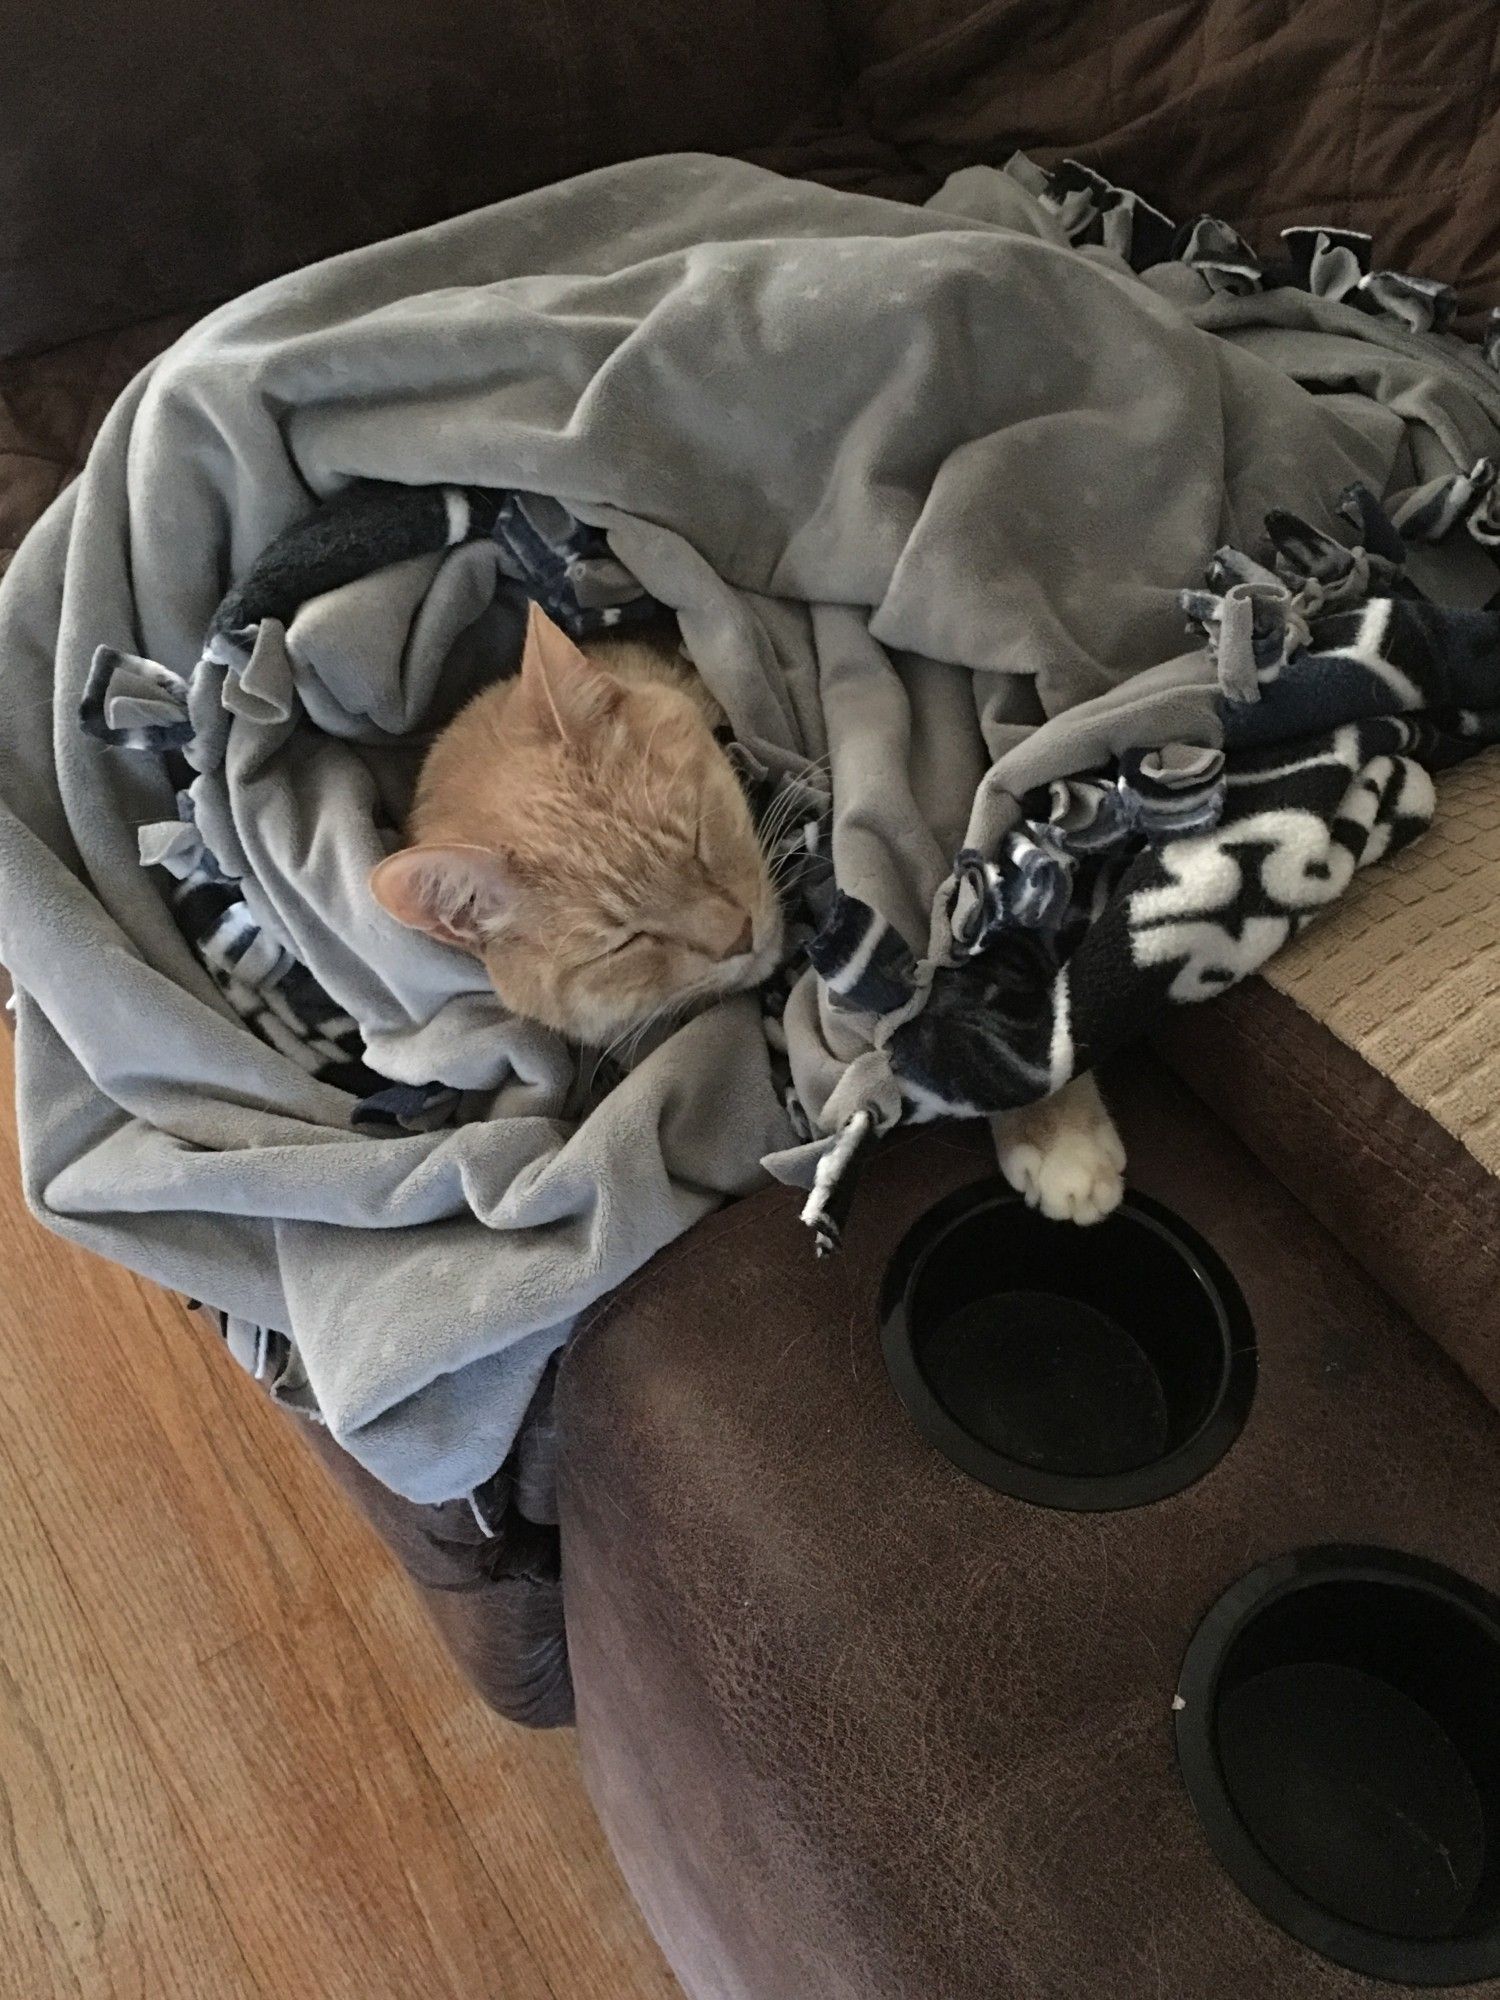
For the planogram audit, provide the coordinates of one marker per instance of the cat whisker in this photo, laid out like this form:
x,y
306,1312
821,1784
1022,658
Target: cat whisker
x,y
778,818
785,802
786,859
626,1044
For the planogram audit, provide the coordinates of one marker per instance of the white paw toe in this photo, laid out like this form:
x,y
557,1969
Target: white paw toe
x,y
1021,1165
1080,1177
1111,1147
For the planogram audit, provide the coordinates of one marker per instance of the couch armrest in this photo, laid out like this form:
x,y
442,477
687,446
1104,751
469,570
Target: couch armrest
x,y
862,1728
1363,1069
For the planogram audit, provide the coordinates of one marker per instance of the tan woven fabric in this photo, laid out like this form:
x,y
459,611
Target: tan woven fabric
x,y
1406,970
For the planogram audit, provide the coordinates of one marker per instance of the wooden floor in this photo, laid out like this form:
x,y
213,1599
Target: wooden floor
x,y
233,1761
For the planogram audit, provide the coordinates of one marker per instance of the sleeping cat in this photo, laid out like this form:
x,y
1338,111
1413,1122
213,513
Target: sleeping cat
x,y
581,832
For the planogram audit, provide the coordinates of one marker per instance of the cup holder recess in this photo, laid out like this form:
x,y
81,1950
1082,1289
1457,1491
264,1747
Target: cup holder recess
x,y
1080,1368
1338,1730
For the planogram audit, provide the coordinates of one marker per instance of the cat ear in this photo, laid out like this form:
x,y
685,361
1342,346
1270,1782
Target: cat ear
x,y
570,695
460,895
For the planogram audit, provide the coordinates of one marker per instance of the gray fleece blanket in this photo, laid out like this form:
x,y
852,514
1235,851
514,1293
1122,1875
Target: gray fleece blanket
x,y
925,488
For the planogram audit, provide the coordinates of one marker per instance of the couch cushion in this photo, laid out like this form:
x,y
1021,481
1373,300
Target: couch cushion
x,y
1362,1069
199,149
1407,970
1368,113
50,407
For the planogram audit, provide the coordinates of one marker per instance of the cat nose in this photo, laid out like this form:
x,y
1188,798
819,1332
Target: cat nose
x,y
743,942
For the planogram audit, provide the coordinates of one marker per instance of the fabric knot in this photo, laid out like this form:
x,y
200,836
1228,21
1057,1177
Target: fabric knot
x,y
1036,879
133,703
1221,257
1483,516
1424,305
1335,264
1029,885
1329,263
1430,512
1229,566
1321,571
178,847
230,645
1085,816
261,689
1253,630
970,914
1176,789
1091,210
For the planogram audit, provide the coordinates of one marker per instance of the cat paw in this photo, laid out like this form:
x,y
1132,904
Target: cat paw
x,y
1072,1176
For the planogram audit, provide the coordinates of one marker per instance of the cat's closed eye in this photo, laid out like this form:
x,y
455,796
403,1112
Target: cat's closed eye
x,y
580,830
614,949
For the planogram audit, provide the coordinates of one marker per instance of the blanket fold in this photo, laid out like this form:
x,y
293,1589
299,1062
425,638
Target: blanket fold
x,y
1054,564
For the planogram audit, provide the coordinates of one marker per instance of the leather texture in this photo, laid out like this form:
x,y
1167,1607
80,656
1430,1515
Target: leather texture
x,y
1376,1168
493,1591
863,1729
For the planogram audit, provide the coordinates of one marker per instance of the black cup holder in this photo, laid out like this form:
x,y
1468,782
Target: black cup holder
x,y
1338,1730
1081,1368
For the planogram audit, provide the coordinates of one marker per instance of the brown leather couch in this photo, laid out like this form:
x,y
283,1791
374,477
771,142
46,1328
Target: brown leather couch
x,y
857,1724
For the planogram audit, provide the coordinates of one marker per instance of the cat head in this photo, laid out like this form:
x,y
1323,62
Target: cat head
x,y
585,837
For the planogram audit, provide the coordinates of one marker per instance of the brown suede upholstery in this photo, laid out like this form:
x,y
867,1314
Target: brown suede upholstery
x,y
862,1729
1380,115
1409,1201
493,1593
51,405
176,153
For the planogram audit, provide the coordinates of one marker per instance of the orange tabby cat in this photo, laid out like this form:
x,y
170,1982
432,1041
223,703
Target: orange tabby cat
x,y
579,830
